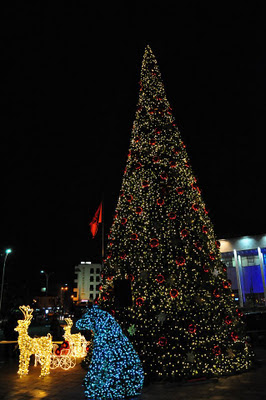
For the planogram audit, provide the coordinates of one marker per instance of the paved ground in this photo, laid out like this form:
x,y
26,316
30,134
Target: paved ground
x,y
67,385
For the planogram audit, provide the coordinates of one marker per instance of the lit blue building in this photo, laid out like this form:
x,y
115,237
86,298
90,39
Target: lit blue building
x,y
245,258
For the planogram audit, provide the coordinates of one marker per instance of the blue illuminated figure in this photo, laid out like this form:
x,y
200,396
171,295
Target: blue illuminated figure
x,y
115,371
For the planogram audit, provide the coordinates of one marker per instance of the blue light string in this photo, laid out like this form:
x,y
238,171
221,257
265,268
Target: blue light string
x,y
115,371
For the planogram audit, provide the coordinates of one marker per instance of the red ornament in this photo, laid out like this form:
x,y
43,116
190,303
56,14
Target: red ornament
x,y
195,207
110,277
205,268
204,229
139,210
134,236
129,198
198,245
173,164
172,215
184,232
154,242
109,254
217,244
217,350
227,320
212,256
113,312
179,190
137,139
130,277
160,202
174,293
160,278
105,296
227,284
155,159
87,348
162,341
216,293
139,301
164,176
192,328
123,255
123,221
152,142
234,336
158,131
175,150
145,184
58,351
206,211
180,261
65,345
138,165
239,313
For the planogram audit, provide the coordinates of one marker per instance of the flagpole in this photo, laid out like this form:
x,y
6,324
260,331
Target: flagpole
x,y
102,230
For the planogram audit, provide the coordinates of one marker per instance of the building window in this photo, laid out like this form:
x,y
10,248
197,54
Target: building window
x,y
228,259
91,296
98,271
91,278
91,288
249,260
92,270
97,278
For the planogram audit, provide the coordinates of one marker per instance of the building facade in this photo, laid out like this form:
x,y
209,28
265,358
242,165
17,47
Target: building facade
x,y
245,258
87,281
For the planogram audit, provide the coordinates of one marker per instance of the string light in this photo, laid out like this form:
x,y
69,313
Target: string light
x,y
77,342
176,253
115,371
41,347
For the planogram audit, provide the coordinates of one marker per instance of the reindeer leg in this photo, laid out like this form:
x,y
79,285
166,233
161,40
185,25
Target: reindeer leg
x,y
24,360
45,370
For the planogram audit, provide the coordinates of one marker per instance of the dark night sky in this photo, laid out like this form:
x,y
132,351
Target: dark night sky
x,y
69,88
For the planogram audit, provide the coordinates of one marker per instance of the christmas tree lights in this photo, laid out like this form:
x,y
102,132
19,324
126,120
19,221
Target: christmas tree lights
x,y
115,371
183,312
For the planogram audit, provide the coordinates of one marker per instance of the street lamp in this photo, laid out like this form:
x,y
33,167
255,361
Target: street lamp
x,y
7,251
47,274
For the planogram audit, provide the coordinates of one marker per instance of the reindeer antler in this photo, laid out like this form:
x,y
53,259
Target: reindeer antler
x,y
69,322
27,312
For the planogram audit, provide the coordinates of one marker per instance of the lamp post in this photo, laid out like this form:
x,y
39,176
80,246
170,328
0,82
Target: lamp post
x,y
7,251
47,274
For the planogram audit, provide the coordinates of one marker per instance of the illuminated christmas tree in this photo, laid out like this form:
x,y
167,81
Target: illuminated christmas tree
x,y
183,321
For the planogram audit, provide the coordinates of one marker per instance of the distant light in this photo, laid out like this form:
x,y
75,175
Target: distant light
x,y
43,289
8,251
236,298
42,272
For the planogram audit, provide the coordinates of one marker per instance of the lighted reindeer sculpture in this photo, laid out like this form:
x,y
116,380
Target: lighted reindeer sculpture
x,y
41,346
77,342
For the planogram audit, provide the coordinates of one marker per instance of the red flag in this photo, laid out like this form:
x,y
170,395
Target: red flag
x,y
96,220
